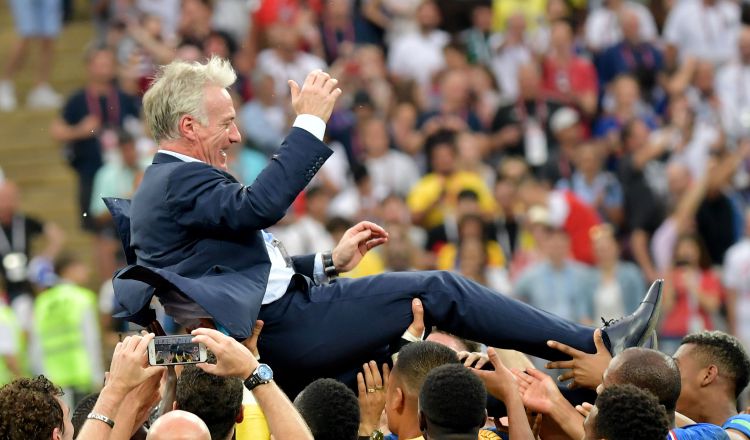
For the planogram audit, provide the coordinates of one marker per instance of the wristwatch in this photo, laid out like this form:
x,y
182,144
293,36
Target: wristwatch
x,y
262,374
329,268
376,435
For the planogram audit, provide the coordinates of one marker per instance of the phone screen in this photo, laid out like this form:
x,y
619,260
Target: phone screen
x,y
175,350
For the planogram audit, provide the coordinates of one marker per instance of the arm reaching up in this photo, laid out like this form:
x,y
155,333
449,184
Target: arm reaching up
x,y
234,359
502,385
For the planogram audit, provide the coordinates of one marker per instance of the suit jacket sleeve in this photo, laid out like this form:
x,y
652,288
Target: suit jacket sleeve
x,y
206,198
305,265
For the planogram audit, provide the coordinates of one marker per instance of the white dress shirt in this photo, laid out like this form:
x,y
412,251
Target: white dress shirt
x,y
281,273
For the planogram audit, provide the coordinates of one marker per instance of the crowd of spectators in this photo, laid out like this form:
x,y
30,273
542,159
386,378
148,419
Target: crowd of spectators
x,y
562,152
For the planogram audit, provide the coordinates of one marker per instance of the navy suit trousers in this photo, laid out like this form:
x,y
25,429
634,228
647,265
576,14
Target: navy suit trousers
x,y
331,330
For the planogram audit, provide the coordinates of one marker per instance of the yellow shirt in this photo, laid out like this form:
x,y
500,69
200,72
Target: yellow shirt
x,y
430,187
534,11
371,264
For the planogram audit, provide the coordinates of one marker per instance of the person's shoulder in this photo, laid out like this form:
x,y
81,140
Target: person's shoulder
x,y
700,431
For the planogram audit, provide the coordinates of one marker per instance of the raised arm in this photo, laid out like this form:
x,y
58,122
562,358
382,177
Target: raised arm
x,y
236,360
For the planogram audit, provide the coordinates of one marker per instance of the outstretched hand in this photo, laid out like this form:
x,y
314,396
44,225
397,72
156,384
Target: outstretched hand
x,y
585,369
416,328
371,388
500,383
538,390
355,243
317,96
232,358
129,367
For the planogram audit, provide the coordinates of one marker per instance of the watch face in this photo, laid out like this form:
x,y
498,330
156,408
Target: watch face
x,y
264,372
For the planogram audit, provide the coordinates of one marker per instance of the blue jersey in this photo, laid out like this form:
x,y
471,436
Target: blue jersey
x,y
698,431
740,422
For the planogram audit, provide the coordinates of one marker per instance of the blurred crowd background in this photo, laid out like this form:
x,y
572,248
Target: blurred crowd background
x,y
563,152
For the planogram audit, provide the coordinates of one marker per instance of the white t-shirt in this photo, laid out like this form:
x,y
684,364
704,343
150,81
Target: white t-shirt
x,y
418,56
603,26
733,90
505,65
700,31
737,277
297,70
395,172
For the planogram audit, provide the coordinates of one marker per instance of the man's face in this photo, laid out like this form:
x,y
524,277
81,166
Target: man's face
x,y
67,433
102,66
691,375
214,139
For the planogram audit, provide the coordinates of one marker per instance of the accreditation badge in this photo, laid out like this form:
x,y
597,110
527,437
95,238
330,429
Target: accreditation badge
x,y
15,265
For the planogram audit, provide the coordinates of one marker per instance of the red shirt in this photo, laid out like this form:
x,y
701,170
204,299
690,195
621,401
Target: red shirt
x,y
676,323
581,218
281,11
578,76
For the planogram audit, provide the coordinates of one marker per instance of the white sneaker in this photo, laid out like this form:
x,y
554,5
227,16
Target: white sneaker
x,y
7,96
43,97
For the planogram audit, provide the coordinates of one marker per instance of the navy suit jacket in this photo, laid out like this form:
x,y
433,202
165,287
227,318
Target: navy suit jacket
x,y
193,228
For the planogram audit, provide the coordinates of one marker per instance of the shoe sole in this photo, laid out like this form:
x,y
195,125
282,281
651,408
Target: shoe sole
x,y
654,319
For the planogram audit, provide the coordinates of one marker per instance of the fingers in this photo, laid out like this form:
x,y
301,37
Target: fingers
x,y
481,362
375,242
377,379
560,365
536,374
386,375
417,323
294,88
311,78
361,237
369,380
494,358
566,376
208,342
365,225
142,344
361,388
330,85
559,346
599,341
252,342
208,368
470,359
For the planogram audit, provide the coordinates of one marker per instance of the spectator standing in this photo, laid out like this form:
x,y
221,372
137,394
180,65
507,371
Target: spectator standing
x,y
703,29
116,178
521,128
567,77
454,110
633,55
692,297
284,59
12,346
733,90
616,282
737,285
510,55
38,20
263,118
568,131
392,171
604,29
17,233
89,121
436,194
66,331
557,284
337,30
418,55
478,37
596,187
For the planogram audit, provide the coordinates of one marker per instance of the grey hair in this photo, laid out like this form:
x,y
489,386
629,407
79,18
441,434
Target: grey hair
x,y
177,91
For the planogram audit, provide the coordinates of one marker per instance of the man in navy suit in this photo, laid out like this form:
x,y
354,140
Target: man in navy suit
x,y
195,238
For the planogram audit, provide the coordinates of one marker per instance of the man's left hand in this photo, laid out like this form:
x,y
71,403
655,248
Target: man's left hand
x,y
355,243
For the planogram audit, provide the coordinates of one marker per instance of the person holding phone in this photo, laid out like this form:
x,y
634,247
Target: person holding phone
x,y
196,237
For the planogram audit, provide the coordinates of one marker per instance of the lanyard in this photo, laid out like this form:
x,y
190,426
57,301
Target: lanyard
x,y
628,55
112,106
17,242
540,111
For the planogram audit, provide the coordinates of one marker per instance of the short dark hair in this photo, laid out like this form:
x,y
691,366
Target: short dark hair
x,y
330,409
627,412
453,399
417,359
64,261
441,137
726,351
650,370
30,409
216,400
84,407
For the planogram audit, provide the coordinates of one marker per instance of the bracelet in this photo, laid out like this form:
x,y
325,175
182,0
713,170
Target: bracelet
x,y
328,267
101,418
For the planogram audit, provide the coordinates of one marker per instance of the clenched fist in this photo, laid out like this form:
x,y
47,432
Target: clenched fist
x,y
317,95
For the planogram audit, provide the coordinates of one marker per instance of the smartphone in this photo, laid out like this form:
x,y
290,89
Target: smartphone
x,y
175,350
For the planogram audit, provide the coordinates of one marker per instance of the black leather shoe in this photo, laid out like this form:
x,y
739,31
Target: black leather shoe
x,y
635,329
